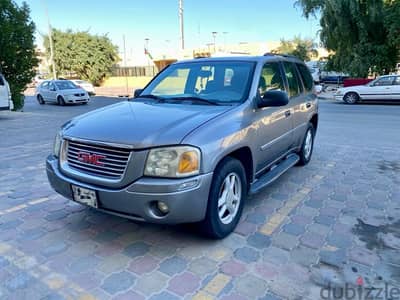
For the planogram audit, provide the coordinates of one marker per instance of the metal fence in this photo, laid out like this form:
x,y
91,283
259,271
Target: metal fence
x,y
134,71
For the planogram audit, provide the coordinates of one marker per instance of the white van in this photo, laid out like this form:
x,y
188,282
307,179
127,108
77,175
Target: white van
x,y
5,95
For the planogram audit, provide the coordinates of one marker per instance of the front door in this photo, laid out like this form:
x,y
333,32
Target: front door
x,y
274,124
379,90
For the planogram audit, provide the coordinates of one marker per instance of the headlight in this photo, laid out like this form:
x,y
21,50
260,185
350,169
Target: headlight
x,y
180,161
57,144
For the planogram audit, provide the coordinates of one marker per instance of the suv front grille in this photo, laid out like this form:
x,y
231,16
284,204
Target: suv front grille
x,y
103,161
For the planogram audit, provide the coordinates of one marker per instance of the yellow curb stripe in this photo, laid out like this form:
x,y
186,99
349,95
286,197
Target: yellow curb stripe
x,y
217,284
53,280
22,206
280,216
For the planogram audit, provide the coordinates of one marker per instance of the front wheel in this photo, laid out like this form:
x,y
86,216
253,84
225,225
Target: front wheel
x,y
40,99
225,202
351,98
60,100
307,146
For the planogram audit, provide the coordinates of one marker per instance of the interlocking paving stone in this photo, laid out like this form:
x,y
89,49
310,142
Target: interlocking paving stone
x,y
325,220
54,249
285,241
233,268
256,218
202,266
184,283
164,296
259,240
84,264
246,254
173,265
136,249
118,282
21,281
151,283
312,240
144,264
294,229
251,286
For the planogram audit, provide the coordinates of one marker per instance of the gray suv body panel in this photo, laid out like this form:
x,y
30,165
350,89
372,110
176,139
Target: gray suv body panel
x,y
269,134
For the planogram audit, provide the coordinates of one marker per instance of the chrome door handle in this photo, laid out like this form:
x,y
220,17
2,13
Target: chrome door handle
x,y
308,105
287,113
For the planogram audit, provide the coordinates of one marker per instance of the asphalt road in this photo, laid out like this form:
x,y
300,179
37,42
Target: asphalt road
x,y
334,222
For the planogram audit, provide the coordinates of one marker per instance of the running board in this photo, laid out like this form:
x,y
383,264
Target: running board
x,y
274,174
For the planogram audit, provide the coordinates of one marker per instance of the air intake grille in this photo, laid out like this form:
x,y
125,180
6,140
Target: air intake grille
x,y
97,160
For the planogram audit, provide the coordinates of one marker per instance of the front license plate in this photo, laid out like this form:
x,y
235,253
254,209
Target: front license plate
x,y
84,196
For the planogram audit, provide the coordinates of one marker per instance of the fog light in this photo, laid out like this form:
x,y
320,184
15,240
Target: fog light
x,y
162,207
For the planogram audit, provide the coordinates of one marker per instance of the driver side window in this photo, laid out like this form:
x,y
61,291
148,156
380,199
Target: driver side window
x,y
271,79
384,81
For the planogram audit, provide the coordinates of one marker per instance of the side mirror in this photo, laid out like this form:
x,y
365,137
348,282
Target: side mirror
x,y
137,93
273,99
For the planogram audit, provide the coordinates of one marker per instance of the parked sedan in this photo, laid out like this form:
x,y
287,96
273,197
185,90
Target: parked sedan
x,y
383,88
87,86
61,92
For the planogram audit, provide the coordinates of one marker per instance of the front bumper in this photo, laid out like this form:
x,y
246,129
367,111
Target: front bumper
x,y
75,99
135,201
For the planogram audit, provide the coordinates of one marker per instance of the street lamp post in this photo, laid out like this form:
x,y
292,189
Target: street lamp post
x,y
214,34
146,47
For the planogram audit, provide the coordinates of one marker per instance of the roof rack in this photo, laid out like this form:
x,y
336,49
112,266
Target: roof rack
x,y
279,54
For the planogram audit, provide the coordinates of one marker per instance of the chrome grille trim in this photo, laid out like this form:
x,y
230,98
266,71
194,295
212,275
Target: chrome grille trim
x,y
112,167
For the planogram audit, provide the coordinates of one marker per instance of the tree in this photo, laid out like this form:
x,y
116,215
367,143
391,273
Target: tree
x,y
363,35
87,56
17,49
302,48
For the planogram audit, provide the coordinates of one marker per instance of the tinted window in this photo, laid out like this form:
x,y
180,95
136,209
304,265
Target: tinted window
x,y
270,79
384,81
306,77
291,75
45,85
65,85
397,81
1,80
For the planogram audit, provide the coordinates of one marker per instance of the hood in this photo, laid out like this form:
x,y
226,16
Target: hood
x,y
141,125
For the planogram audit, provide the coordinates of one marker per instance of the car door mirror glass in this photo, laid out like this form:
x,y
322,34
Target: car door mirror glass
x,y
273,98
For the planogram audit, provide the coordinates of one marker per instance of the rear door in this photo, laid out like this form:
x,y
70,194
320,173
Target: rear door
x,y
274,124
305,103
52,92
3,93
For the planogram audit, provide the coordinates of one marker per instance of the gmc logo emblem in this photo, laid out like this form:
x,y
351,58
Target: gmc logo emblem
x,y
93,159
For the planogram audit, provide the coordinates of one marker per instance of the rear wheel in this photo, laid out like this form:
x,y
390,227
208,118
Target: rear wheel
x,y
226,199
351,98
307,146
60,100
40,99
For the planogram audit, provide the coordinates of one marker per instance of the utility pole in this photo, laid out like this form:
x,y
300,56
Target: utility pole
x,y
53,64
214,34
182,37
126,69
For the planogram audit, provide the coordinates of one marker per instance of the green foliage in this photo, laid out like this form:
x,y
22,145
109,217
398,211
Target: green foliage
x,y
302,48
17,49
362,34
87,56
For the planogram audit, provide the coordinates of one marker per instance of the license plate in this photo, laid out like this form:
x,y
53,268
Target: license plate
x,y
84,196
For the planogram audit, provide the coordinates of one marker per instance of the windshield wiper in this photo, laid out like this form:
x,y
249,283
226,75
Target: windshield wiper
x,y
194,98
150,96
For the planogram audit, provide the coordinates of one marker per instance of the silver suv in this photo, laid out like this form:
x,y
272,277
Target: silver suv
x,y
192,144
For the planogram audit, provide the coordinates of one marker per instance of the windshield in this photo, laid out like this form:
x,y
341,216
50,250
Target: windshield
x,y
65,85
226,82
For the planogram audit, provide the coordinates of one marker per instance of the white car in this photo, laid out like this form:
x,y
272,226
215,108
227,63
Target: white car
x,y
315,73
5,95
383,88
88,87
61,92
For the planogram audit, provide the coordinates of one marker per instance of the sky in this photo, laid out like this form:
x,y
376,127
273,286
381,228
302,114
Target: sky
x,y
157,20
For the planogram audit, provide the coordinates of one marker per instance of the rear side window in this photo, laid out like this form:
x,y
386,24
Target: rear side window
x,y
293,82
1,81
306,77
397,81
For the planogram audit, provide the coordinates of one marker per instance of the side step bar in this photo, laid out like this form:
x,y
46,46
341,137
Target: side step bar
x,y
274,174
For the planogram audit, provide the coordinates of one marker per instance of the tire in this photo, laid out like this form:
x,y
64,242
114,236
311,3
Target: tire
x,y
60,101
351,98
307,146
220,222
40,99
